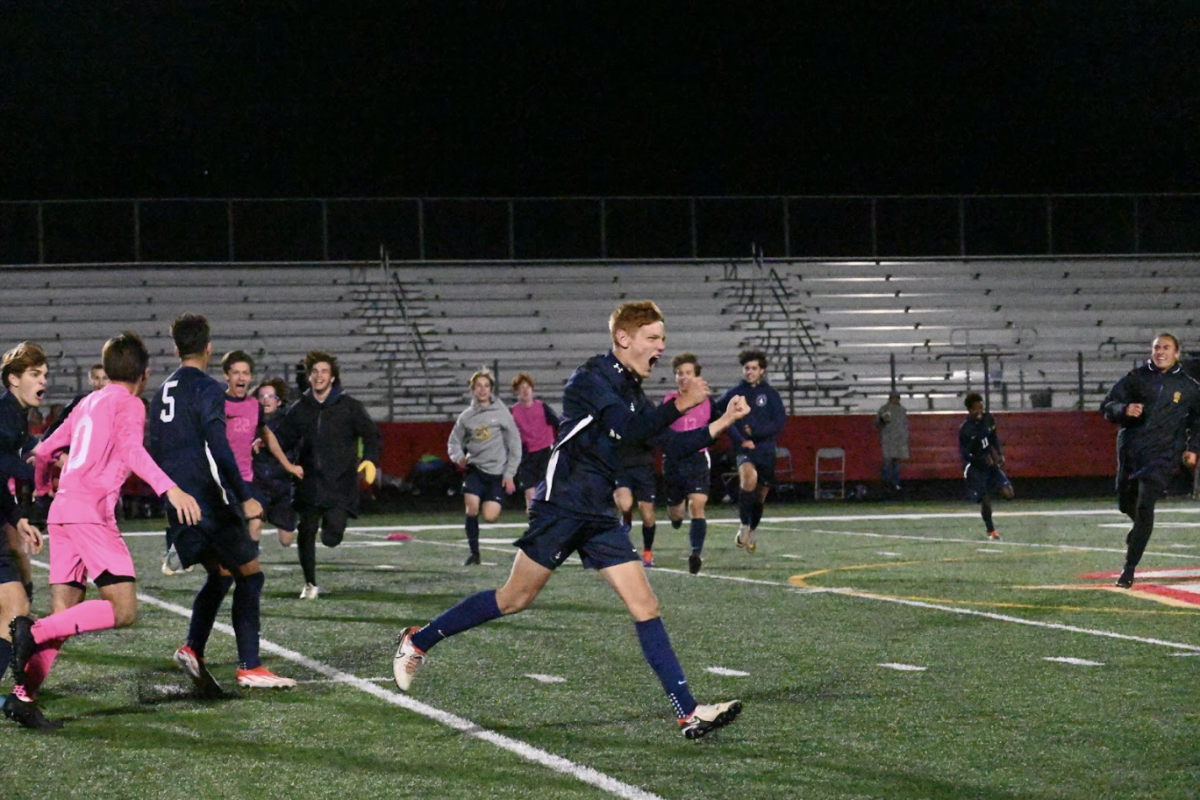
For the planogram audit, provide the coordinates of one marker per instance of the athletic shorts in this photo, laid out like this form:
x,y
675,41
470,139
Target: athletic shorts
x,y
485,486
763,461
984,482
533,468
276,500
83,550
641,480
8,566
554,535
221,535
686,476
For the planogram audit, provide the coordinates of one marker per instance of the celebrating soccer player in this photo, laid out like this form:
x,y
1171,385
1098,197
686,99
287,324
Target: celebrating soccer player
x,y
103,440
687,478
187,437
538,425
572,512
23,376
486,441
754,443
324,427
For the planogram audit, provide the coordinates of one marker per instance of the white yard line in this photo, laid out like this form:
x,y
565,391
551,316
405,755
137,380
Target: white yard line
x,y
524,750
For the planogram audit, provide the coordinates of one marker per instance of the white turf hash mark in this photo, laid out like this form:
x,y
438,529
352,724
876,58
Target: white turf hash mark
x,y
1079,662
733,673
902,667
523,749
546,678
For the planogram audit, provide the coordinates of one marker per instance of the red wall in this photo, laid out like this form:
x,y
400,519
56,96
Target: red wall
x,y
1037,444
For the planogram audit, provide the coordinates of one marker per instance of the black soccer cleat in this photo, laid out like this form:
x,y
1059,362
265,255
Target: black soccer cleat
x,y
1126,579
28,715
694,563
472,560
23,646
706,719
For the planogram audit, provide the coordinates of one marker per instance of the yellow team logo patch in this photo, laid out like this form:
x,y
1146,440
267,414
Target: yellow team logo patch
x,y
1177,396
483,433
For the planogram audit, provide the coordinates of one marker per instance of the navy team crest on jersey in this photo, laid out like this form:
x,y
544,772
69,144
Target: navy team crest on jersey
x,y
760,401
1177,396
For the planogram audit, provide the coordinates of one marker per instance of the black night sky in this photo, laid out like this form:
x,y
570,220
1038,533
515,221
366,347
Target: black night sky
x,y
404,98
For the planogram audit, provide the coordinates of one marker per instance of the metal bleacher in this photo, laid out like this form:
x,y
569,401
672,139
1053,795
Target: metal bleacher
x,y
837,332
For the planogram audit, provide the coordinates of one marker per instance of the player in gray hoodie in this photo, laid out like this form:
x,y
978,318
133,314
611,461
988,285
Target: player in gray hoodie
x,y
486,441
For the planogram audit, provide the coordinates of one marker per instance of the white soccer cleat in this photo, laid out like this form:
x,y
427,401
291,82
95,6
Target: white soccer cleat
x,y
310,592
741,539
262,678
407,661
752,541
706,719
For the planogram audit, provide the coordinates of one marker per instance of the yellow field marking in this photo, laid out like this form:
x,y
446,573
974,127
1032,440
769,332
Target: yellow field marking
x,y
801,582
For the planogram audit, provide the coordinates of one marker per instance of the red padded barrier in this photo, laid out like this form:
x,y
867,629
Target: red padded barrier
x,y
1037,444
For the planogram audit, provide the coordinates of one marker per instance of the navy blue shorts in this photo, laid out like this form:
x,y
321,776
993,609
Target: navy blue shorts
x,y
985,482
533,469
686,476
276,499
639,479
554,535
483,485
221,535
763,461
8,566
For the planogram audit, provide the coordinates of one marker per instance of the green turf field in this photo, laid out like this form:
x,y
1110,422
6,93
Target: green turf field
x,y
881,651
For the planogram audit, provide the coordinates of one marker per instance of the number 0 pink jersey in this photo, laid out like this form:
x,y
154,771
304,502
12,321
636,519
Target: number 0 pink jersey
x,y
103,439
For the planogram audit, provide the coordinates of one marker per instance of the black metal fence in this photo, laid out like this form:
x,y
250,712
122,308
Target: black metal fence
x,y
566,228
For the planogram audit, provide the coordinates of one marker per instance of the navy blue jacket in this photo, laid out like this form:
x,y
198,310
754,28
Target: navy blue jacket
x,y
1151,446
187,438
267,468
766,417
603,404
14,447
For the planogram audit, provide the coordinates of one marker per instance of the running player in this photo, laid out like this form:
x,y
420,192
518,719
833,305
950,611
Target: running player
x,y
979,446
23,377
637,482
754,443
103,438
687,478
188,440
324,428
1157,406
572,511
538,425
272,480
486,441
245,424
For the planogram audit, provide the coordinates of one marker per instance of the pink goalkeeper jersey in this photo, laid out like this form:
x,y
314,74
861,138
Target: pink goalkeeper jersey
x,y
103,437
242,417
536,433
695,417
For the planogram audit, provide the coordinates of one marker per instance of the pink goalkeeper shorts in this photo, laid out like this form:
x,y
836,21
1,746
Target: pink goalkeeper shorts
x,y
83,550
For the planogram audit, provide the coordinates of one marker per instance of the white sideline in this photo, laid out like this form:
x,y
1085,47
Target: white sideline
x,y
522,749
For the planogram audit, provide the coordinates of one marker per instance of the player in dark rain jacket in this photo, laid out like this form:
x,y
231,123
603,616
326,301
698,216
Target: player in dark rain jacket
x,y
1158,408
325,426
